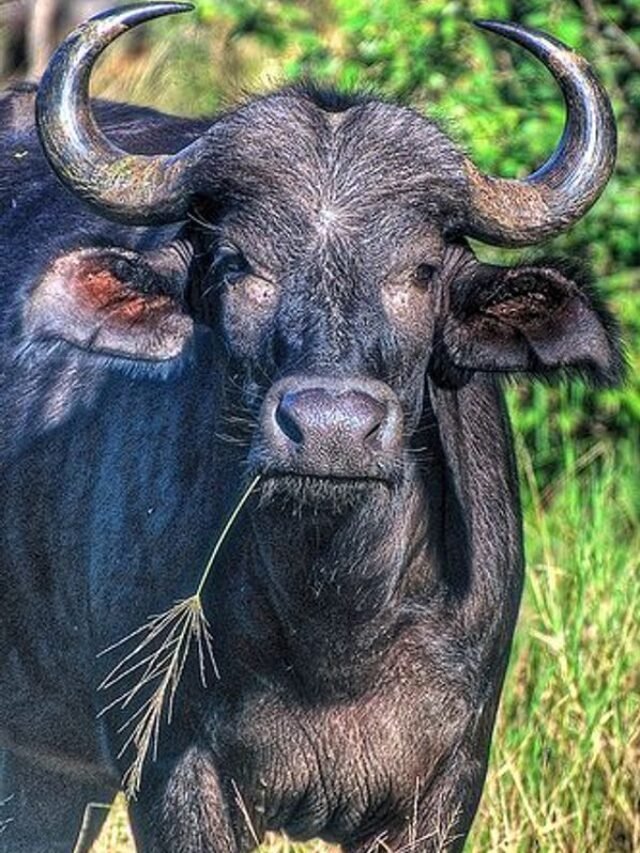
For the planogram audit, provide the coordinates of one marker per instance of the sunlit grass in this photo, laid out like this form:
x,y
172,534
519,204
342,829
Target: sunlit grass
x,y
565,766
566,757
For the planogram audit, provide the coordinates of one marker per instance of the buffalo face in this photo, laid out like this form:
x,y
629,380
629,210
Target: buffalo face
x,y
319,275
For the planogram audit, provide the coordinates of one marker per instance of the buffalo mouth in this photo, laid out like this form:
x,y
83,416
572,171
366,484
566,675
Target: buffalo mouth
x,y
334,493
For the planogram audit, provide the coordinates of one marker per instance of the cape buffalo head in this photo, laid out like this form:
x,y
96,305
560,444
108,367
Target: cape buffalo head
x,y
324,240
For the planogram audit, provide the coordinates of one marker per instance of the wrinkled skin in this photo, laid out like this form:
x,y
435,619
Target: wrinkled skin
x,y
363,609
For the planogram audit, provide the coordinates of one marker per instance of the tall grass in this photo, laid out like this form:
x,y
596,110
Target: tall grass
x,y
565,766
565,770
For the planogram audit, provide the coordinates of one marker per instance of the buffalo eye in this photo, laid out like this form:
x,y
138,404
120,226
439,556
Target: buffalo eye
x,y
231,268
229,265
424,274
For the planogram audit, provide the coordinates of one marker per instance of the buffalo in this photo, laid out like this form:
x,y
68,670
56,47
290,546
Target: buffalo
x,y
285,291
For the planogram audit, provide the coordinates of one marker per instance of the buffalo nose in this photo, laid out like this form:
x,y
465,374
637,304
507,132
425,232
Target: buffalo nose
x,y
319,416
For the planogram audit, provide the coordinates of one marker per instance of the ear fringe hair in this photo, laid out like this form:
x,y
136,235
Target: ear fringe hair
x,y
581,274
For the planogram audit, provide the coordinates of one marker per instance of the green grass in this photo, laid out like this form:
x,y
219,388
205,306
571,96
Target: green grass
x,y
565,766
565,770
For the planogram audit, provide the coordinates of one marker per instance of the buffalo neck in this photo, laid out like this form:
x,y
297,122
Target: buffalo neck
x,y
338,585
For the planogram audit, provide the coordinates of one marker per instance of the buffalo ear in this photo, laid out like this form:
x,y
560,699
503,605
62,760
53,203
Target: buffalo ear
x,y
112,302
534,319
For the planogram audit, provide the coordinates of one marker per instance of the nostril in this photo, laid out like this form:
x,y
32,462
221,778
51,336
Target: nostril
x,y
368,418
373,432
287,422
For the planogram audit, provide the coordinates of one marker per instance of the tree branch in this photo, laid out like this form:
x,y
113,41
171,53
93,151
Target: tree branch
x,y
601,25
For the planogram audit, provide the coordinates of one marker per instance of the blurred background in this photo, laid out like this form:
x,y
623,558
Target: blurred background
x,y
565,772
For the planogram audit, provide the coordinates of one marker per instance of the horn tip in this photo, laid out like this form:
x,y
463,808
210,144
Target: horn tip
x,y
500,27
536,41
485,23
138,13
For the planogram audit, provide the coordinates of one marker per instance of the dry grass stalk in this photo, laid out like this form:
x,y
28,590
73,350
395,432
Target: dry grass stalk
x,y
5,821
158,660
244,811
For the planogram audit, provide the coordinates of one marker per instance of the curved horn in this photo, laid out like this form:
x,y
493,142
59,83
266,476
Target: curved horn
x,y
132,188
523,212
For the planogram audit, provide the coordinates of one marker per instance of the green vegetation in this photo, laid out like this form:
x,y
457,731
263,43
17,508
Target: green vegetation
x,y
565,770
